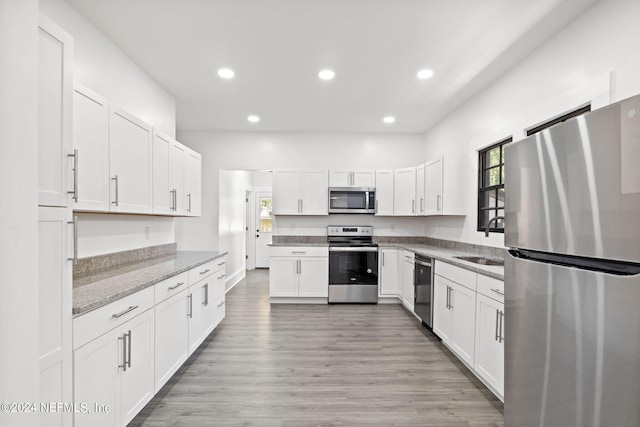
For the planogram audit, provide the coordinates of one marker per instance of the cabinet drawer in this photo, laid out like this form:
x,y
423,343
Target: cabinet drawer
x,y
299,251
201,271
171,286
218,285
459,275
97,322
493,288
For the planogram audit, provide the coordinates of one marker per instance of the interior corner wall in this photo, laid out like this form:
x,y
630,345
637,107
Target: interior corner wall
x,y
570,69
19,302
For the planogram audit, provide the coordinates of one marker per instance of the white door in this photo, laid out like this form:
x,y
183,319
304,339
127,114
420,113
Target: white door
x,y
404,192
463,334
315,192
172,339
442,315
264,224
162,191
193,183
489,354
177,160
286,191
313,277
388,271
384,192
420,190
433,187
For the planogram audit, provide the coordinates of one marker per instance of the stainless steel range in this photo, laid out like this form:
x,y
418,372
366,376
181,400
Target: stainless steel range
x,y
353,265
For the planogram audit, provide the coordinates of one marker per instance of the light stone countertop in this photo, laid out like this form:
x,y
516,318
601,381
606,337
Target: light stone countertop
x,y
96,290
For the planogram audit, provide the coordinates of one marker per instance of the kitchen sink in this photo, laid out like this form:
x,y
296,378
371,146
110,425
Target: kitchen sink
x,y
481,260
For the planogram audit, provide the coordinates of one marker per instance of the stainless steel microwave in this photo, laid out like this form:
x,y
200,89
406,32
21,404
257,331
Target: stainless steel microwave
x,y
352,200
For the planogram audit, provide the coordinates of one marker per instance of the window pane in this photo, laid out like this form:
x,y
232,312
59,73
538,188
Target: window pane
x,y
266,225
488,199
500,192
485,216
502,160
492,158
266,214
502,175
492,177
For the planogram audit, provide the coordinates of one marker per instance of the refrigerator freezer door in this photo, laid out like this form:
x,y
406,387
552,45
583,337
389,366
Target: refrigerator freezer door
x,y
572,347
572,189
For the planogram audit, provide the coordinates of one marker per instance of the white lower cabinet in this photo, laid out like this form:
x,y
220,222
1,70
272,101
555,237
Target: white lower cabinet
x,y
408,266
388,272
114,373
489,357
201,299
299,272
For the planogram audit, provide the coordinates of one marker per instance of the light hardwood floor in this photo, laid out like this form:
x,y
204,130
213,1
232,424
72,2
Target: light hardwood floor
x,y
319,365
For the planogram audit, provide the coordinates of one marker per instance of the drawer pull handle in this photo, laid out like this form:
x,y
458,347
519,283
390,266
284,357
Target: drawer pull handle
x,y
176,286
122,313
221,304
497,291
222,263
205,272
298,252
220,277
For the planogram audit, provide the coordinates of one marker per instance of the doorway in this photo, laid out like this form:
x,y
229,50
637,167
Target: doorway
x,y
264,227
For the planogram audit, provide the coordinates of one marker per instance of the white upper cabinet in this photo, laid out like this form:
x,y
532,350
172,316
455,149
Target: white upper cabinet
x,y
177,161
300,192
384,192
130,163
404,194
55,97
162,190
420,190
193,183
91,140
445,186
352,178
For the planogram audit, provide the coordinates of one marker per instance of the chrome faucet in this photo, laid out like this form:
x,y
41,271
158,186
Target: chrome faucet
x,y
495,218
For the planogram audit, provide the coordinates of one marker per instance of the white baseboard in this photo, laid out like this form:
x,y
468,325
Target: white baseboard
x,y
297,300
234,279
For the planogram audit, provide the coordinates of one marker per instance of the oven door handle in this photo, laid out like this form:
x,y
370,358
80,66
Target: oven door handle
x,y
353,249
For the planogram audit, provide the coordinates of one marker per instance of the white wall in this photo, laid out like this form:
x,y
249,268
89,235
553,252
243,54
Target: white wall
x,y
19,323
260,151
103,67
569,70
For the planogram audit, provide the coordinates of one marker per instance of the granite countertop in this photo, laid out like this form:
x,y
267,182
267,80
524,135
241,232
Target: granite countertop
x,y
96,290
313,244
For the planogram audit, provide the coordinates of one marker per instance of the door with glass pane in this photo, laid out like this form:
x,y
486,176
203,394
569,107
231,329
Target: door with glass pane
x,y
264,223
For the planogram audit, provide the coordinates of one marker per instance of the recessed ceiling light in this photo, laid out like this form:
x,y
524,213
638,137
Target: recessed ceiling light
x,y
327,74
389,119
253,119
425,74
226,73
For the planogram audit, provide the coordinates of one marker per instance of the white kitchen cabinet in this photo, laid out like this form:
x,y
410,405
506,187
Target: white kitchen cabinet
x,y
299,272
384,192
404,192
55,98
197,313
463,304
177,162
421,190
130,158
91,141
193,183
442,315
489,349
169,175
352,178
408,266
445,186
116,371
206,287
300,192
55,302
388,275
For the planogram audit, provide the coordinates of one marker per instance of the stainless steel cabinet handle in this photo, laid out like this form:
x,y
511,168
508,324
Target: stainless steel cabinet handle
x,y
115,178
189,204
206,294
383,259
500,337
301,205
122,313
75,175
497,335
298,252
421,204
376,207
190,314
438,202
447,299
205,271
174,200
497,291
220,277
124,352
450,297
176,286
75,240
413,206
221,304
222,263
129,349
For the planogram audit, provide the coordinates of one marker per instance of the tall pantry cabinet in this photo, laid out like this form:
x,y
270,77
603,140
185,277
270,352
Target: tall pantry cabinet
x,y
57,168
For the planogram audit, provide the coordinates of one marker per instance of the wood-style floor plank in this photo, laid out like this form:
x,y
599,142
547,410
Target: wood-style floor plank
x,y
319,365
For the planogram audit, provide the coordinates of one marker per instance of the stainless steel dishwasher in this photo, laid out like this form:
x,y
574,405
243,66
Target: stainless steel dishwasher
x,y
423,296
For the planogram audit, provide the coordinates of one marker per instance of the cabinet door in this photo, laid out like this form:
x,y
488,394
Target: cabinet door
x,y
55,294
384,192
388,271
420,190
433,187
462,342
177,160
489,351
340,178
283,277
363,178
442,315
315,192
407,277
96,380
193,185
286,192
162,190
404,192
207,306
91,139
172,339
313,277
55,96
130,163
137,386
196,316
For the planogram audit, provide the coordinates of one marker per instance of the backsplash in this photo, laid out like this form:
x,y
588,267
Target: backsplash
x,y
96,264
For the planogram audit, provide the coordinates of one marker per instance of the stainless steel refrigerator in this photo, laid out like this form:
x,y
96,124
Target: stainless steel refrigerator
x,y
572,275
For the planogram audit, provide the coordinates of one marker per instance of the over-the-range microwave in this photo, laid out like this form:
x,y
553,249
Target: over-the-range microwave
x,y
352,200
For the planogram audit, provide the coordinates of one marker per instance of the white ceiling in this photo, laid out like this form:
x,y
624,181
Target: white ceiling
x,y
277,47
